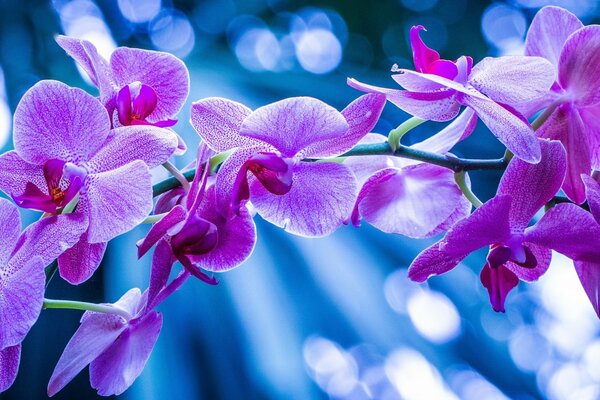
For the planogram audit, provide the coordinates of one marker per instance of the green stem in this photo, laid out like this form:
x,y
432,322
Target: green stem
x,y
80,305
219,159
177,175
461,181
171,183
151,219
396,134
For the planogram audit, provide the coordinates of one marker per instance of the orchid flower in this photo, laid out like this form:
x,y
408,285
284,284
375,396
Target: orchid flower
x,y
305,198
65,151
408,197
574,51
438,88
198,231
116,345
516,251
22,279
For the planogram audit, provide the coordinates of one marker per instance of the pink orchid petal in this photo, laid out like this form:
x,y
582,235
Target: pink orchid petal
x,y
412,201
227,176
152,145
116,201
487,225
77,264
542,255
531,186
579,65
122,362
292,124
592,194
589,276
17,173
321,198
162,262
591,120
237,237
458,130
568,229
499,282
408,79
439,105
365,166
549,31
362,115
10,358
509,128
513,79
55,121
427,60
218,122
566,125
164,73
160,229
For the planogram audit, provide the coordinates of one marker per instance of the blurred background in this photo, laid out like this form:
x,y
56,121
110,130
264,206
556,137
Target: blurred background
x,y
322,318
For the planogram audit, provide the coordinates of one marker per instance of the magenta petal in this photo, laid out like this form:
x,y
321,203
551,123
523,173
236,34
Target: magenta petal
x,y
568,229
164,73
511,130
589,275
237,236
218,122
123,361
160,229
162,262
513,79
549,31
17,173
55,121
21,296
10,226
579,65
95,334
542,256
427,60
566,125
152,145
227,176
362,115
412,201
77,264
443,141
117,201
292,124
10,358
439,105
419,82
144,99
487,225
531,186
124,105
499,282
320,199
592,193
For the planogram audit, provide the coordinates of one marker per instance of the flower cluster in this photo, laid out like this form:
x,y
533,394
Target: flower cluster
x,y
85,161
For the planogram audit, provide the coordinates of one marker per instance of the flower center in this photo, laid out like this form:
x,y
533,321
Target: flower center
x,y
64,180
135,103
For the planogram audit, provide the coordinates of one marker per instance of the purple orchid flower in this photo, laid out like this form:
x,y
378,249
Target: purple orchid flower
x,y
407,197
574,51
199,231
118,344
22,279
516,251
438,88
66,151
305,198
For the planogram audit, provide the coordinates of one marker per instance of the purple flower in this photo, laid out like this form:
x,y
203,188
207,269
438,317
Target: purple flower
x,y
305,198
22,279
143,86
408,197
438,89
574,51
116,345
516,251
65,150
199,231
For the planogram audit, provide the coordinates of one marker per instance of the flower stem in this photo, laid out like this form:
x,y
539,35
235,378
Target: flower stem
x,y
177,175
80,305
461,181
396,134
151,219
